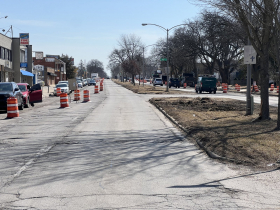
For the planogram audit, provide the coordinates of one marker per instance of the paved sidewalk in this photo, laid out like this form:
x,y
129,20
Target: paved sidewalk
x,y
47,90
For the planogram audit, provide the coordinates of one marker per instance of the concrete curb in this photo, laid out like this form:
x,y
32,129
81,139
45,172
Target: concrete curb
x,y
209,153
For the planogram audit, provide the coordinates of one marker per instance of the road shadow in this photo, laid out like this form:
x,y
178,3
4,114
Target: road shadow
x,y
118,155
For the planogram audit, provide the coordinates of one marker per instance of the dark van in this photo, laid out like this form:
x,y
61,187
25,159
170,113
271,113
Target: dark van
x,y
206,84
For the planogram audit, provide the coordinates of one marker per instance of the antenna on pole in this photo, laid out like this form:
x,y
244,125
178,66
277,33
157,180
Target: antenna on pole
x,y
10,30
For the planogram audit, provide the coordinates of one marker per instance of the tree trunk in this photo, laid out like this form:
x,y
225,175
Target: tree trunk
x,y
264,85
278,116
133,81
224,75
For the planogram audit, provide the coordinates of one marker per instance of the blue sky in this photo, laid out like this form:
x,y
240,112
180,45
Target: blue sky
x,y
90,29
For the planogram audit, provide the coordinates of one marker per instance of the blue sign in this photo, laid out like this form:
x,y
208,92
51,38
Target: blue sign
x,y
23,65
24,36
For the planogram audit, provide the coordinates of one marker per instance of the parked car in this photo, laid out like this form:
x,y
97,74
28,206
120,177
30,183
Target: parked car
x,y
85,82
7,90
92,82
157,81
64,88
189,79
30,95
207,84
80,84
174,83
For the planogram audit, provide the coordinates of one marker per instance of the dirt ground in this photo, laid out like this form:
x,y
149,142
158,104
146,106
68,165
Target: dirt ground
x,y
222,127
147,89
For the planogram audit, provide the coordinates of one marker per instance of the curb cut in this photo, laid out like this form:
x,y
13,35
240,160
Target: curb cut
x,y
209,153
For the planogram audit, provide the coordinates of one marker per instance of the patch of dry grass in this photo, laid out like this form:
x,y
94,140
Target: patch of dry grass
x,y
222,127
147,89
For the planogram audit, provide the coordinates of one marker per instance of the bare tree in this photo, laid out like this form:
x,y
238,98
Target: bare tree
x,y
259,29
96,66
130,51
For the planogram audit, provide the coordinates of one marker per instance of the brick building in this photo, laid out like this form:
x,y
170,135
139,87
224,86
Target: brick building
x,y
54,69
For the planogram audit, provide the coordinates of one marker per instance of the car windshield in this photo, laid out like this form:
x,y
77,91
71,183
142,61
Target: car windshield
x,y
62,82
79,81
62,85
92,80
22,88
158,80
6,87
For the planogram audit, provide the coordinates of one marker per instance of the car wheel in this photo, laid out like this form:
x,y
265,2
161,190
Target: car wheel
x,y
210,92
27,103
196,90
161,85
21,106
214,91
200,91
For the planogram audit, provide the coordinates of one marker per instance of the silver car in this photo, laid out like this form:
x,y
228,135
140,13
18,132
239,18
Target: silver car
x,y
158,81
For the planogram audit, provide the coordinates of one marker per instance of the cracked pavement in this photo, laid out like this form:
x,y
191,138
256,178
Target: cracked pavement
x,y
117,152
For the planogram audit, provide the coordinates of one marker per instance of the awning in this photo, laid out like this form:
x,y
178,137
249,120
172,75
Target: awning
x,y
51,74
26,73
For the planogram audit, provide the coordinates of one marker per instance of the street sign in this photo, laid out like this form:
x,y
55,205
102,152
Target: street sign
x,y
23,65
163,59
250,55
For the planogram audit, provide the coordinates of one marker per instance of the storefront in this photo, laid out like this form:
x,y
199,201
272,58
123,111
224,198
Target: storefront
x,y
25,76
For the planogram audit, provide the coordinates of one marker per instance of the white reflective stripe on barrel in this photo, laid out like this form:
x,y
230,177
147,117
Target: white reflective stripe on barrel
x,y
13,111
12,105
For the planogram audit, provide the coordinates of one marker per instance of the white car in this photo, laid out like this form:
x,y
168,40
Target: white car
x,y
79,83
61,82
63,87
158,81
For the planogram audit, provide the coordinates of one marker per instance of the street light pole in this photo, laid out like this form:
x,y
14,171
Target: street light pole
x,y
167,78
143,64
167,30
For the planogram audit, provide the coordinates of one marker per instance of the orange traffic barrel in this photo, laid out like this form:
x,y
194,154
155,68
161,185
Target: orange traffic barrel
x,y
185,85
58,92
12,107
96,89
86,95
272,87
238,87
225,88
256,88
64,100
101,86
77,96
277,89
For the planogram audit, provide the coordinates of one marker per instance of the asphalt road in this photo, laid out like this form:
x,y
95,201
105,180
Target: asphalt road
x,y
117,152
